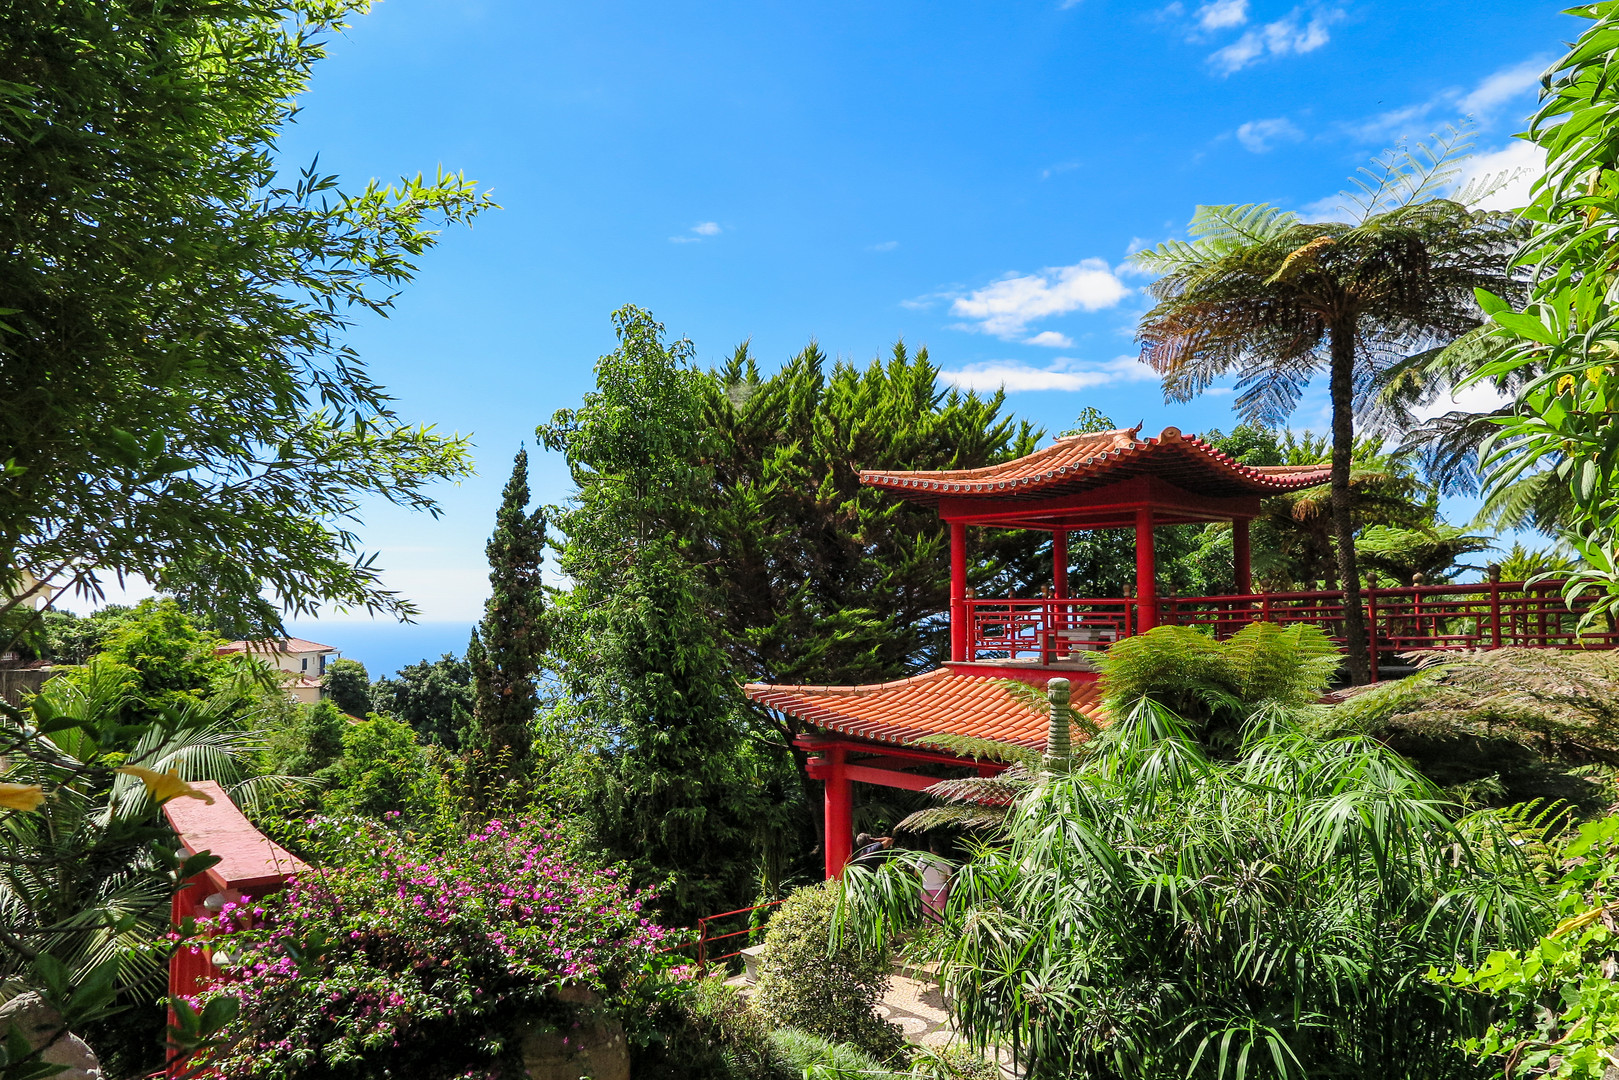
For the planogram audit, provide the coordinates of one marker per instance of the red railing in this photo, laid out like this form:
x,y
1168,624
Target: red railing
x,y
1044,630
1486,615
705,936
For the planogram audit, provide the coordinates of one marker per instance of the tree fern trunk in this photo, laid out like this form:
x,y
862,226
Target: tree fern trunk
x,y
1343,448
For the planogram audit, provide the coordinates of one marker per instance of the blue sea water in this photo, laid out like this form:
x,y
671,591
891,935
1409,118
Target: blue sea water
x,y
385,647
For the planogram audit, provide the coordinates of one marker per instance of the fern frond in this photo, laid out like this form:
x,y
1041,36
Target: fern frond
x,y
985,749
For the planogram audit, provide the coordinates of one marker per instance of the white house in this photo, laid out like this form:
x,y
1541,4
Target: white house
x,y
303,661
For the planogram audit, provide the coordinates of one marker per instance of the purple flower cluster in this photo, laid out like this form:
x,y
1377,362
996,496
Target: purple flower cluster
x,y
394,953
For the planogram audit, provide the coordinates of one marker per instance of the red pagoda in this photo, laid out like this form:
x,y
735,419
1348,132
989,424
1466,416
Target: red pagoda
x,y
877,734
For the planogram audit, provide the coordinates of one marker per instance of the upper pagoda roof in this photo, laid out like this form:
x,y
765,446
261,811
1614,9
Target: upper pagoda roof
x,y
1086,462
915,711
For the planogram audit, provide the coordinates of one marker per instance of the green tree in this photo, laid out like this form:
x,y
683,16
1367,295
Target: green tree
x,y
1407,554
382,769
347,685
816,578
176,398
302,740
643,656
1262,293
433,696
507,646
167,660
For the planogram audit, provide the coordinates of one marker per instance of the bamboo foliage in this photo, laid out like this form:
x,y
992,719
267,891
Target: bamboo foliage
x,y
1162,913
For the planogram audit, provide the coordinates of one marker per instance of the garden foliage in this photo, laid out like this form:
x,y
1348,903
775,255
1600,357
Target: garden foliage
x,y
401,960
1559,348
1161,913
1556,1002
818,980
681,796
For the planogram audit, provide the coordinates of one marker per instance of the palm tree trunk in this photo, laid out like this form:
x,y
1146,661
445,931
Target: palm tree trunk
x,y
1342,344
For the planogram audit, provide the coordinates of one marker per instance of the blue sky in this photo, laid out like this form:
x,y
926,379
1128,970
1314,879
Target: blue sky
x,y
965,176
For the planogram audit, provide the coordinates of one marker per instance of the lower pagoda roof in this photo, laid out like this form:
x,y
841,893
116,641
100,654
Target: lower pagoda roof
x,y
914,711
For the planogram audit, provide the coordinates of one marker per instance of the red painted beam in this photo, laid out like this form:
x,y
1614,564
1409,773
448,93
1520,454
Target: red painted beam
x,y
889,777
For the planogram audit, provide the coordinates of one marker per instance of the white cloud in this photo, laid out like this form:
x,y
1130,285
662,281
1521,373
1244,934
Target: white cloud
x,y
1283,37
1222,14
1511,170
886,245
1258,136
1006,307
700,230
1502,86
1066,374
1478,398
1051,340
1489,94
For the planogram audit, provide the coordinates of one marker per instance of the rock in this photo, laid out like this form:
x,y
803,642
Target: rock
x,y
593,1047
38,1023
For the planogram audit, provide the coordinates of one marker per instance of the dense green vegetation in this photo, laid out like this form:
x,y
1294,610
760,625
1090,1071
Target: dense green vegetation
x,y
1227,877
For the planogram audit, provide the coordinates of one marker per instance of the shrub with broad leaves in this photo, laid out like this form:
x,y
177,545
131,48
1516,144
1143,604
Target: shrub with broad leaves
x,y
400,960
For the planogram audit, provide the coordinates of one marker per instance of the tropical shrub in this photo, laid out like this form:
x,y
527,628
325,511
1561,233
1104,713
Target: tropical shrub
x,y
1159,913
1557,349
87,865
1556,1001
1510,724
822,982
817,1058
710,1033
400,960
1213,684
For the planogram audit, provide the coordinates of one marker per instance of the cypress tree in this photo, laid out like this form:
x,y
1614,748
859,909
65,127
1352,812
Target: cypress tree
x,y
506,646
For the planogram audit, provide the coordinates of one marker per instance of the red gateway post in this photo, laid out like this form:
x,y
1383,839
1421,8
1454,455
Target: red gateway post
x,y
1241,559
959,628
1146,573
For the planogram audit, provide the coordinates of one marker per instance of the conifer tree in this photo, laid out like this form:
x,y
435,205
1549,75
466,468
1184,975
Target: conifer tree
x,y
506,646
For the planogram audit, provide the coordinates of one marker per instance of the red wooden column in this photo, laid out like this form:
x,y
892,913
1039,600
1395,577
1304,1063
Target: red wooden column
x,y
1242,556
1146,573
960,627
1059,564
839,812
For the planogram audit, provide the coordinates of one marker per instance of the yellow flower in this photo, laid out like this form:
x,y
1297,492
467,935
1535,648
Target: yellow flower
x,y
21,796
165,785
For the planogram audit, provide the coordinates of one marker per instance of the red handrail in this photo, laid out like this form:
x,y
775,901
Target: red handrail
x,y
1484,615
704,937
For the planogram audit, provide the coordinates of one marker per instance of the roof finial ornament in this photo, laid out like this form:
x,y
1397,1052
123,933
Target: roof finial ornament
x,y
1133,432
1059,751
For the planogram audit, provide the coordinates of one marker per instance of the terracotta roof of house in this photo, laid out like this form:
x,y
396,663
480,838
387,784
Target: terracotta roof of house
x,y
282,645
1084,462
908,711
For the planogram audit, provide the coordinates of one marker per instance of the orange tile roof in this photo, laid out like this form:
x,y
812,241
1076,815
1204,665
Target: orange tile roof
x,y
1085,462
283,645
908,711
